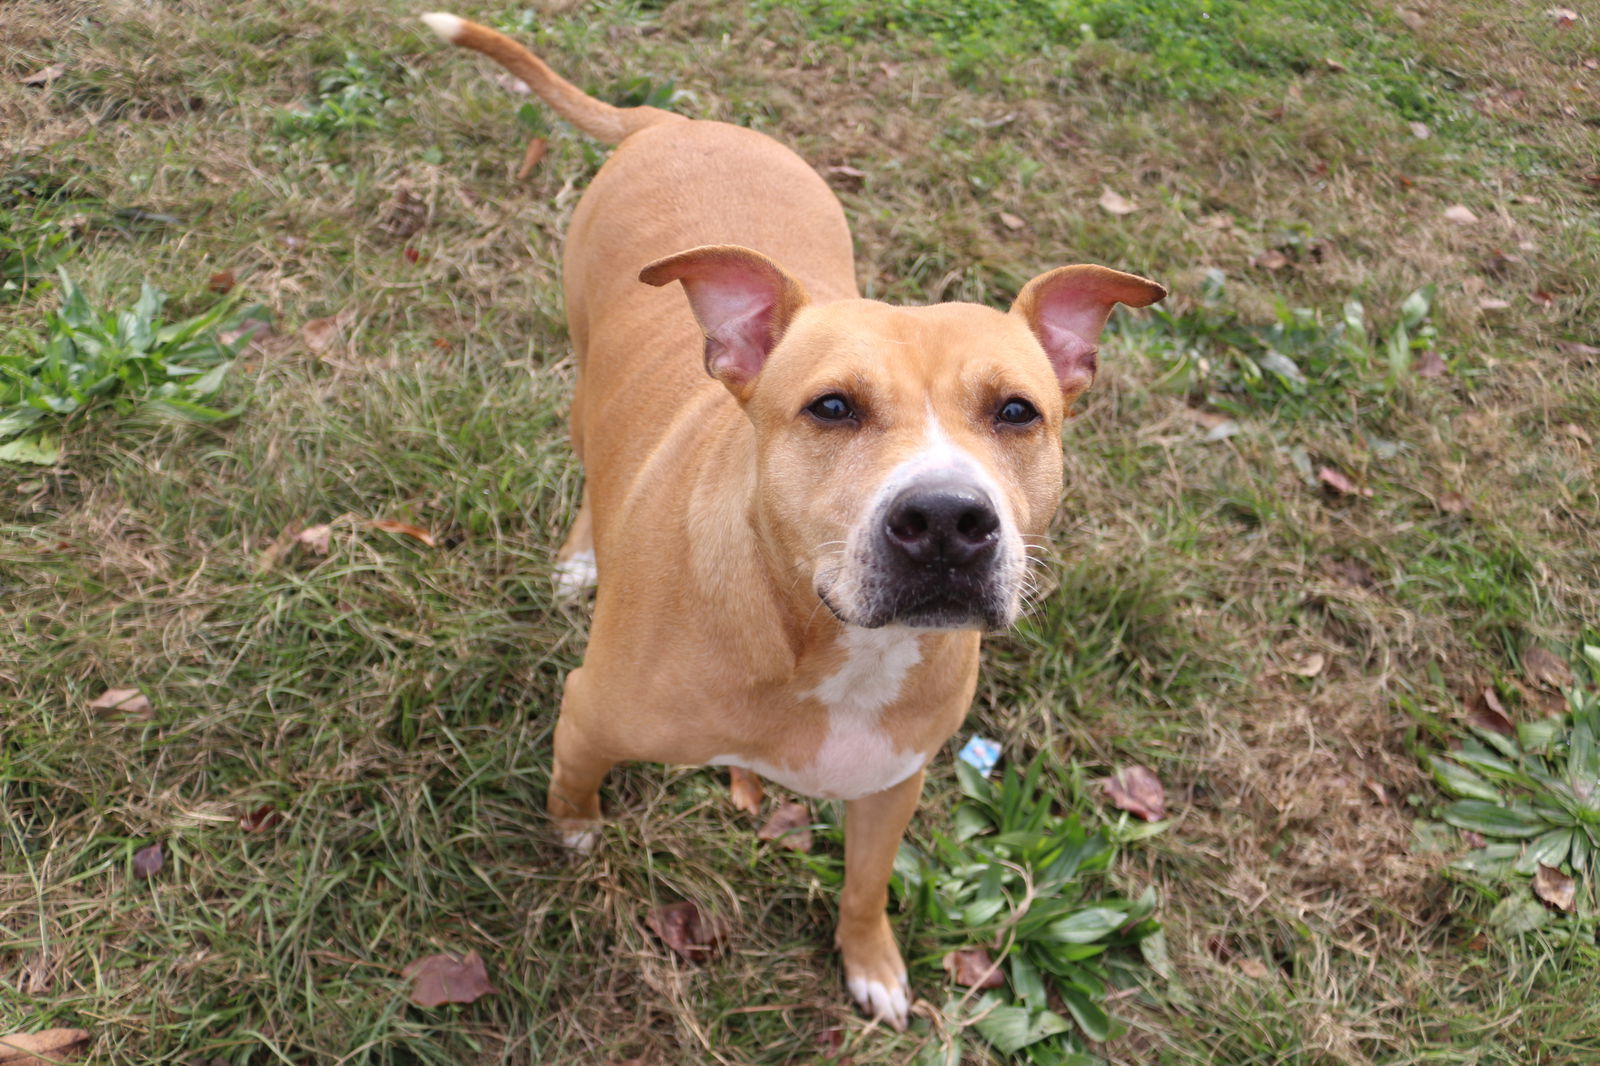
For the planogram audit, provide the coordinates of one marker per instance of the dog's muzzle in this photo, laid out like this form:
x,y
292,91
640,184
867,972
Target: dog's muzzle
x,y
933,558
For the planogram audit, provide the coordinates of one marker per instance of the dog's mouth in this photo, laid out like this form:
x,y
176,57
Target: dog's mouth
x,y
936,599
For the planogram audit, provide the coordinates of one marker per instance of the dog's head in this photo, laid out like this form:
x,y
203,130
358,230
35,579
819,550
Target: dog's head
x,y
907,456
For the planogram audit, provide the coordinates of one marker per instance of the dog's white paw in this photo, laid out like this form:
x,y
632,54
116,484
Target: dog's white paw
x,y
576,575
582,841
884,1002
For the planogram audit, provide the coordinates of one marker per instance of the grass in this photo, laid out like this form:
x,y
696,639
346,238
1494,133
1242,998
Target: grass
x,y
393,701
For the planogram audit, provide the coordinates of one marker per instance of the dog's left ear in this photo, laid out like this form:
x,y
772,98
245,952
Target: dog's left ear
x,y
743,302
1066,309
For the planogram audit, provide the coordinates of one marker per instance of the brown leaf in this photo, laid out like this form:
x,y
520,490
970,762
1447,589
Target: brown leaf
x,y
44,76
1334,65
320,333
973,968
531,158
316,537
1563,17
389,525
1253,968
448,978
1413,19
1577,432
1545,669
1355,572
122,700
790,826
1420,131
39,1049
1339,483
846,176
1577,348
1430,364
1460,214
251,331
148,861
1555,888
1452,503
1137,790
1010,221
745,788
1542,298
404,215
222,282
1271,259
687,931
1485,712
261,819
1116,204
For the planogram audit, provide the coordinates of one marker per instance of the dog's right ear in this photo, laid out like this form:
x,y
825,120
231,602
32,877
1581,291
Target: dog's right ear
x,y
743,302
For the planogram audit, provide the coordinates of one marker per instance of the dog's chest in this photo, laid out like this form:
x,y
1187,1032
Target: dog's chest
x,y
857,756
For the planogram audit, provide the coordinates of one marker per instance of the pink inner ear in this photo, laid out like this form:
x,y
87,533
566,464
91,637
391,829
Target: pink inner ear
x,y
1073,357
734,305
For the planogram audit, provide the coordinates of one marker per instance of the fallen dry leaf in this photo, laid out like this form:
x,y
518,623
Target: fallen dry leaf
x,y
1272,259
532,158
1339,483
148,861
1452,503
1252,968
404,215
123,700
1577,348
1010,221
1577,432
448,978
973,968
1334,65
1542,298
1310,666
847,176
414,532
1493,303
1137,790
1485,712
1546,669
44,76
1420,131
1355,572
261,819
686,930
1460,214
1430,364
41,1048
789,825
320,333
316,538
1117,204
222,282
1555,888
1563,17
1413,19
745,788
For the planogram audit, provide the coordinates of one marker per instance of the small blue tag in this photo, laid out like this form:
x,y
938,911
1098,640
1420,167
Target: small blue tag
x,y
981,753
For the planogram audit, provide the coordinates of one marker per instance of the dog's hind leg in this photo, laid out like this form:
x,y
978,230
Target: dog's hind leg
x,y
581,763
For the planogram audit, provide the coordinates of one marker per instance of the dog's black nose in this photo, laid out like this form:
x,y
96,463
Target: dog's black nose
x,y
950,524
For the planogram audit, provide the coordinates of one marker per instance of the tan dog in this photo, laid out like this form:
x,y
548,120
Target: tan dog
x,y
796,554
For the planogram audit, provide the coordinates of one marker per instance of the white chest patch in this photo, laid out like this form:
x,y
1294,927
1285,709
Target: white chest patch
x,y
856,757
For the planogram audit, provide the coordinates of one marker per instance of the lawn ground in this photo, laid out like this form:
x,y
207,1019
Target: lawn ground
x,y
344,752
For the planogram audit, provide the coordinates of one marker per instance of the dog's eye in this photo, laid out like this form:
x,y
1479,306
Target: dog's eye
x,y
1017,412
831,408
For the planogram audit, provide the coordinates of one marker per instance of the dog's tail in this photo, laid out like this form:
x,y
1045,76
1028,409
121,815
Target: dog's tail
x,y
595,117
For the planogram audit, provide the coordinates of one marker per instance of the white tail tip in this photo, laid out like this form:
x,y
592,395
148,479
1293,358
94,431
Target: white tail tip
x,y
446,26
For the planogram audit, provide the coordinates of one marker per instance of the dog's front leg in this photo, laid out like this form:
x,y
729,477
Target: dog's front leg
x,y
873,968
